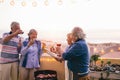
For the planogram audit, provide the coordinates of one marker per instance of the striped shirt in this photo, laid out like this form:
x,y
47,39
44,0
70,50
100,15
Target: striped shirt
x,y
9,51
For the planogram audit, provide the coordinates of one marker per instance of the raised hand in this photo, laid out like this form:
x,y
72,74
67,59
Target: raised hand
x,y
52,49
59,59
59,50
18,32
31,42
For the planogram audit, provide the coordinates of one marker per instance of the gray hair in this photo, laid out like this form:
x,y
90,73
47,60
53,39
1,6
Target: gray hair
x,y
31,31
78,33
13,24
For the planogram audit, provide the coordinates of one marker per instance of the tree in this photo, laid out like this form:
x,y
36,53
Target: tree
x,y
102,63
95,58
91,62
108,62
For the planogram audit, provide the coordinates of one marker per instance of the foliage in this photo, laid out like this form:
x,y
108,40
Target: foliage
x,y
95,58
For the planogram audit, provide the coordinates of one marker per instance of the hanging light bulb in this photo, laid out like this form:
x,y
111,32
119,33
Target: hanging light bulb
x,y
23,3
46,2
48,59
60,2
1,1
34,3
12,2
73,1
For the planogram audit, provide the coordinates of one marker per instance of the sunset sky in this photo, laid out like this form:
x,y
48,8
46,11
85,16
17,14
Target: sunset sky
x,y
100,19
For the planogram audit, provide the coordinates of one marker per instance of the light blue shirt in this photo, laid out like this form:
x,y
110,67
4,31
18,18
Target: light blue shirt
x,y
32,60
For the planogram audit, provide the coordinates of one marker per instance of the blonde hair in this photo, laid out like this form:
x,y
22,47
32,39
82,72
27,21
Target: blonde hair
x,y
69,35
78,33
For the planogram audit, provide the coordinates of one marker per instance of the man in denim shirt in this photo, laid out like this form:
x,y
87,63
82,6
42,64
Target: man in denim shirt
x,y
78,55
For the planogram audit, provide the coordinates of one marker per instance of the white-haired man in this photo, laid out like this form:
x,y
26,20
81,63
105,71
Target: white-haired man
x,y
77,55
11,43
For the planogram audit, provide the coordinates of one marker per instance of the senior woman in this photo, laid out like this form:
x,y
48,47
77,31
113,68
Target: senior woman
x,y
77,55
30,56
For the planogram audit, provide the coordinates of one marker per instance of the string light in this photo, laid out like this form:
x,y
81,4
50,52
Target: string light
x,y
34,3
73,1
111,50
23,3
1,1
48,59
53,59
46,2
60,2
118,48
12,2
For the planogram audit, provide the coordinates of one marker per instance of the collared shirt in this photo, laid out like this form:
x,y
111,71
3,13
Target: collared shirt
x,y
9,52
78,57
32,58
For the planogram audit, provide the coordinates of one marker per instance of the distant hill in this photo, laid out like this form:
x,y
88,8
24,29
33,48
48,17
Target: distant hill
x,y
103,48
95,48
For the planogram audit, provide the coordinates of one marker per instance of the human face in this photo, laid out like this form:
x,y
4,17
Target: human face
x,y
69,39
15,28
33,35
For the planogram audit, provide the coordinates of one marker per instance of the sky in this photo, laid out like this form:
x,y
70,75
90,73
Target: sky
x,y
100,19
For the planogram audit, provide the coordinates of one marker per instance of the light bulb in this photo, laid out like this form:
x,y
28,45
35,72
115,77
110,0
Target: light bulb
x,y
60,2
34,4
46,2
12,3
1,1
73,1
23,3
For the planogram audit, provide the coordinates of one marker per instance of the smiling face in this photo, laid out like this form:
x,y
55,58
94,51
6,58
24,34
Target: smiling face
x,y
69,39
32,34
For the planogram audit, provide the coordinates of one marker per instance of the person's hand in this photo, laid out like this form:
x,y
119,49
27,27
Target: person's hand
x,y
52,49
59,55
18,32
59,50
31,42
59,59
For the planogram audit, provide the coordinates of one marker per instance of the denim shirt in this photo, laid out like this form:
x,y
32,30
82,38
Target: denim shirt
x,y
77,56
30,57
